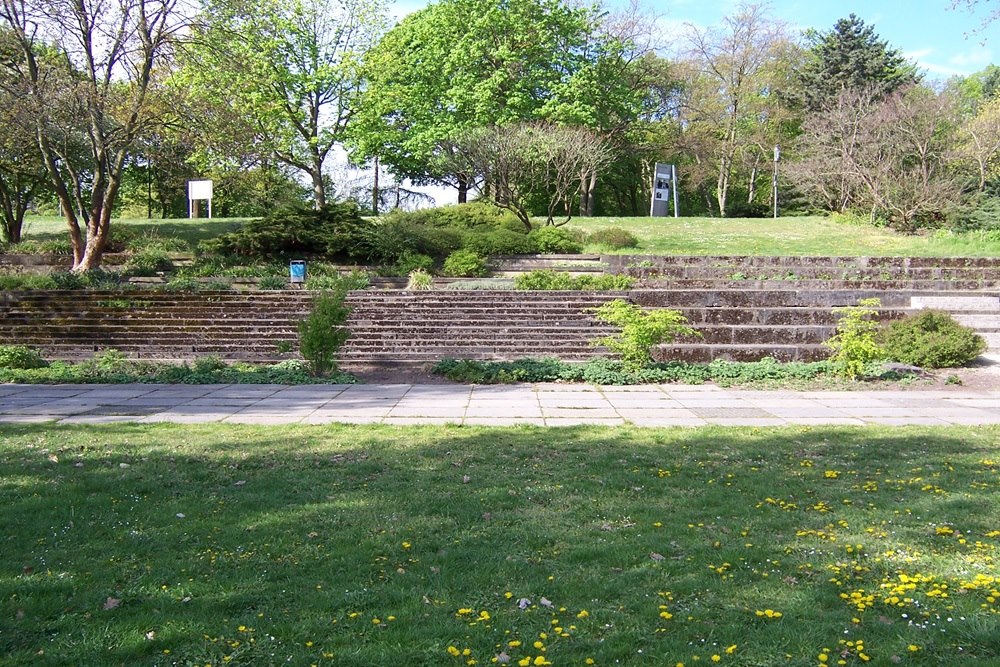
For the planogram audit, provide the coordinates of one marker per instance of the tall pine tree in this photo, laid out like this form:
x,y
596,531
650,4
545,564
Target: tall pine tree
x,y
850,57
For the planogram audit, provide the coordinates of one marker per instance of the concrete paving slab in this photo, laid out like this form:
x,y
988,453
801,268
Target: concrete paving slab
x,y
907,421
503,421
670,423
257,418
668,414
745,421
731,413
411,421
580,413
99,419
503,412
25,419
545,403
569,421
428,411
340,419
824,421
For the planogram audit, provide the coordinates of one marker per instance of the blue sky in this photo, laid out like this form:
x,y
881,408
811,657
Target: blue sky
x,y
942,41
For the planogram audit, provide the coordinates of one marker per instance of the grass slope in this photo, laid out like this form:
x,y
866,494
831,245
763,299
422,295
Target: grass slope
x,y
811,235
213,545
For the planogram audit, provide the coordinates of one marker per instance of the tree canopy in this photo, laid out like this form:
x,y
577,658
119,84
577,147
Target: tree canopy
x,y
851,56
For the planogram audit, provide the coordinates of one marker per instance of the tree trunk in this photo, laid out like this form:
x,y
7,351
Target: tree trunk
x,y
588,184
752,186
375,190
319,188
722,190
463,189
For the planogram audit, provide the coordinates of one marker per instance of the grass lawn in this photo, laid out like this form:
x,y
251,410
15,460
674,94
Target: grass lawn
x,y
212,545
52,228
812,235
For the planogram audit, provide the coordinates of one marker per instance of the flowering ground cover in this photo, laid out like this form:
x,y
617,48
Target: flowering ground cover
x,y
225,545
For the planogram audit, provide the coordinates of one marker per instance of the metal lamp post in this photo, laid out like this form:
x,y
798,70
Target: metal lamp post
x,y
774,180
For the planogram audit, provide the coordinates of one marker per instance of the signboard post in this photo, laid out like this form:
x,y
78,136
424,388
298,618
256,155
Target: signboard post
x,y
199,190
664,180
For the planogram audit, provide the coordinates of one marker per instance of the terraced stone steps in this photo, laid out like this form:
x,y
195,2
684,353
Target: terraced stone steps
x,y
420,327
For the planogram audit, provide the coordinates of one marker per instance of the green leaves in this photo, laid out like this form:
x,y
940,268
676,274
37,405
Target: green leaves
x,y
855,344
640,330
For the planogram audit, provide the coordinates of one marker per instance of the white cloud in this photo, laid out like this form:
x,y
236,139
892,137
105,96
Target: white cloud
x,y
975,60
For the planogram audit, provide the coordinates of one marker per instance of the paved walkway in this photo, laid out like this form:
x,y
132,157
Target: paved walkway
x,y
540,404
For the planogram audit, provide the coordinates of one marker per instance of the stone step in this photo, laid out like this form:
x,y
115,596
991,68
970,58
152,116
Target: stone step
x,y
957,302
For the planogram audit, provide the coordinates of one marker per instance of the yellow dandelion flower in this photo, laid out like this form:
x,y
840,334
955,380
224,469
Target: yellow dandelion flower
x,y
583,614
716,657
454,651
731,649
913,648
524,662
514,643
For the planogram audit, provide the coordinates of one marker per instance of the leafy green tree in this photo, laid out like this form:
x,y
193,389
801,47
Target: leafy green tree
x,y
88,68
731,112
458,65
280,78
22,173
850,56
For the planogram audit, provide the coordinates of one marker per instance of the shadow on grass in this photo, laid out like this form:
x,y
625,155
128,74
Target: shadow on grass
x,y
309,539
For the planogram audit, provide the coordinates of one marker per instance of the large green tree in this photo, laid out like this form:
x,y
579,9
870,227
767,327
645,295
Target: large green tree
x,y
280,78
22,173
851,56
87,67
458,65
731,112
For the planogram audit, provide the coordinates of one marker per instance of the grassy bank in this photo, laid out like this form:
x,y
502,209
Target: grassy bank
x,y
809,235
213,545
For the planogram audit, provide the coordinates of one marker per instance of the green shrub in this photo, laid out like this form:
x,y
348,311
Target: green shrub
x,y
550,279
20,357
67,280
611,372
855,345
500,242
26,282
322,332
931,339
555,240
481,284
148,262
272,283
182,284
355,280
335,229
419,280
640,330
615,238
412,261
465,264
208,364
465,216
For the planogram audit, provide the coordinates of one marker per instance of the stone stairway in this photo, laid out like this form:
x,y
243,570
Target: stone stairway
x,y
739,318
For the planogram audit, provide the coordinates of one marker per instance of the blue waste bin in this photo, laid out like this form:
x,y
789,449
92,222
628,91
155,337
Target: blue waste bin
x,y
297,271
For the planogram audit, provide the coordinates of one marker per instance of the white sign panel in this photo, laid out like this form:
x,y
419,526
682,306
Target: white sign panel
x,y
199,190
